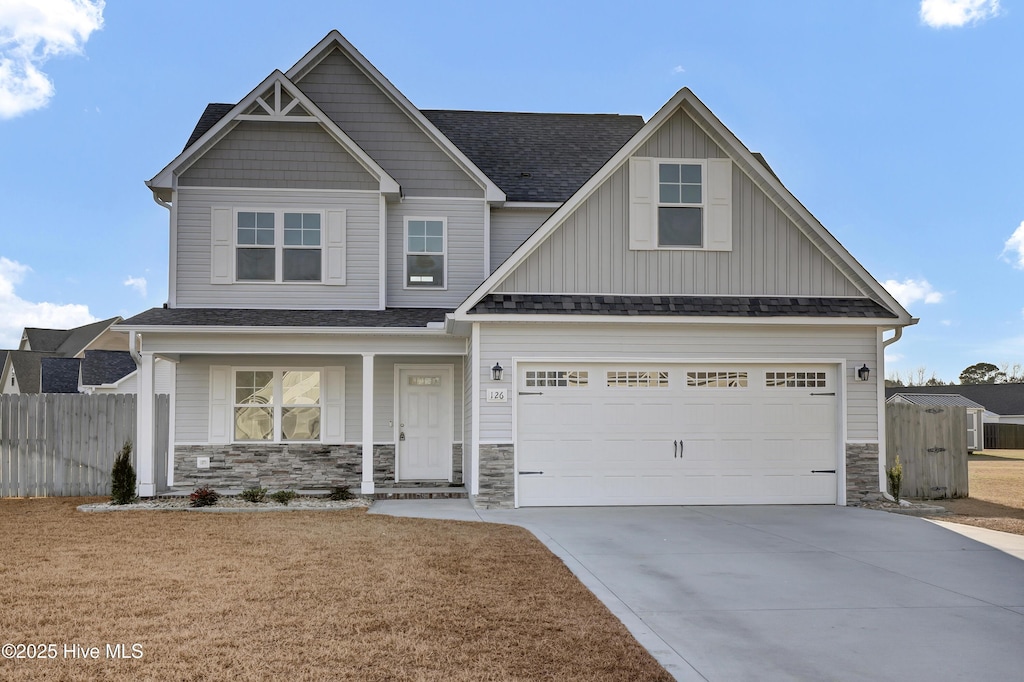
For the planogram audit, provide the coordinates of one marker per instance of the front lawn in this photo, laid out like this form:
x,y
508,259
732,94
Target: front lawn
x,y
295,596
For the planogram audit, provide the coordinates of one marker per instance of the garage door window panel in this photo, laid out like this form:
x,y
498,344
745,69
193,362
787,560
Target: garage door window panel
x,y
796,380
637,379
716,379
558,378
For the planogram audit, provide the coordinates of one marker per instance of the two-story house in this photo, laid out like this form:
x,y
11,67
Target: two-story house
x,y
549,309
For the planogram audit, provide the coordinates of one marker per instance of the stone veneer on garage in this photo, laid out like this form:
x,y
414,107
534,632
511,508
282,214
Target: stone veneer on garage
x,y
497,479
298,466
862,484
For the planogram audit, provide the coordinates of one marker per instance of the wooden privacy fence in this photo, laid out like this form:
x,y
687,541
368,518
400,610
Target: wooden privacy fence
x,y
1004,436
64,444
932,445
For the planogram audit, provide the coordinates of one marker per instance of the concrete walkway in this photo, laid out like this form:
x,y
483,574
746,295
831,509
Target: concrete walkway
x,y
790,593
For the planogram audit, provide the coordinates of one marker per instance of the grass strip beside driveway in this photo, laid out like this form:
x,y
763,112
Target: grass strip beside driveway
x,y
298,595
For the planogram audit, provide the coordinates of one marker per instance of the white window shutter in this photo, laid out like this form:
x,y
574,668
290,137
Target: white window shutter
x,y
643,215
221,404
334,246
332,424
222,246
719,205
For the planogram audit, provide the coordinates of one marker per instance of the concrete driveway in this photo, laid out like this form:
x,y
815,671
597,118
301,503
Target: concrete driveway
x,y
788,593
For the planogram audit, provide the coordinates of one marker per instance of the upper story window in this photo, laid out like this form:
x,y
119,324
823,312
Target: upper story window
x,y
680,204
425,249
278,246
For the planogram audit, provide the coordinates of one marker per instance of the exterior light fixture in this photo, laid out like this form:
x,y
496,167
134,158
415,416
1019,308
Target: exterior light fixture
x,y
863,373
496,371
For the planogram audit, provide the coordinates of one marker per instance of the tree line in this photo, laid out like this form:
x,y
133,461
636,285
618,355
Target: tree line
x,y
978,373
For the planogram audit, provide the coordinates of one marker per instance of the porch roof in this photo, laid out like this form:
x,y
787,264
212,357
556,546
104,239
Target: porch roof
x,y
248,317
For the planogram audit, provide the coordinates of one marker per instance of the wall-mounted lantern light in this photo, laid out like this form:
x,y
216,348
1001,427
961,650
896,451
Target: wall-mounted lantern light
x,y
863,373
496,371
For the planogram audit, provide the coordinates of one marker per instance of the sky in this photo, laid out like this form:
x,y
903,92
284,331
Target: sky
x,y
897,123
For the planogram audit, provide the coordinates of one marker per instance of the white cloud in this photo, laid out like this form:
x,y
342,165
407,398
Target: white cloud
x,y
137,283
1014,246
893,357
912,290
31,32
678,69
956,13
17,313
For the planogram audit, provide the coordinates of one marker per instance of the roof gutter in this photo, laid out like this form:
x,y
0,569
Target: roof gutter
x,y
898,333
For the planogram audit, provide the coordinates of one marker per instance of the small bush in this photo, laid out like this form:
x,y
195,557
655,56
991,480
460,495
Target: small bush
x,y
340,493
284,496
254,495
203,497
122,476
895,476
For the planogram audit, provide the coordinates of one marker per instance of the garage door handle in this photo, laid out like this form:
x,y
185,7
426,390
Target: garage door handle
x,y
524,473
677,448
833,393
531,392
823,471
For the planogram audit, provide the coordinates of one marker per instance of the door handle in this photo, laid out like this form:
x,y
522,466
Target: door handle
x,y
401,436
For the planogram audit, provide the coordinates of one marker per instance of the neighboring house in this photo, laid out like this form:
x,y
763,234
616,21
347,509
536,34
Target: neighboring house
x,y
975,412
549,309
1004,403
89,359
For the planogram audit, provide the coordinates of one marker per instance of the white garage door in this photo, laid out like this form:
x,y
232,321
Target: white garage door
x,y
601,434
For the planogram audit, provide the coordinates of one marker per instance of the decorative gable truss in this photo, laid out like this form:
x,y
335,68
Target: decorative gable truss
x,y
275,99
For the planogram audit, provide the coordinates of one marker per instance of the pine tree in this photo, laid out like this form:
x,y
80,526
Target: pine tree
x,y
122,477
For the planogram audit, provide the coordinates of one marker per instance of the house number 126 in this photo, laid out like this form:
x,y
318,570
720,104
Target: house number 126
x,y
497,395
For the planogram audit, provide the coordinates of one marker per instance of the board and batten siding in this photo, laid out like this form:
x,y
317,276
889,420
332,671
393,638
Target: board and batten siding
x,y
384,131
683,344
192,417
510,227
465,252
273,155
589,251
362,226
589,254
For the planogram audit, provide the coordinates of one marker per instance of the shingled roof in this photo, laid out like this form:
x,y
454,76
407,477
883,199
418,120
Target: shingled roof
x,y
59,375
28,368
66,342
236,317
536,157
212,114
1003,399
691,306
101,367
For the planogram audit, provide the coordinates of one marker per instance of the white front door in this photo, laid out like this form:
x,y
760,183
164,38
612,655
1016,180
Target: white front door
x,y
424,446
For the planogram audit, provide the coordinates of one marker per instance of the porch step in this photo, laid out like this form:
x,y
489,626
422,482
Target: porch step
x,y
424,493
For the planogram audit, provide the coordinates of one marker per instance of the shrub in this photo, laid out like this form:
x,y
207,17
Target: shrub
x,y
284,496
203,497
122,476
254,495
340,493
895,476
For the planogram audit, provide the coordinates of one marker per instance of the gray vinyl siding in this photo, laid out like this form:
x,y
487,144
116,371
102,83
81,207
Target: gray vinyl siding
x,y
589,252
510,227
682,343
274,154
194,288
192,417
465,257
384,131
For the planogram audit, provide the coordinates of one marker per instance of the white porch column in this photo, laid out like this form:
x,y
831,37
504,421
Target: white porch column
x,y
367,483
145,466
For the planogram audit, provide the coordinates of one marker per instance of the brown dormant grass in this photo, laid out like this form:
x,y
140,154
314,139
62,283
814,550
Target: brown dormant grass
x,y
996,480
297,596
